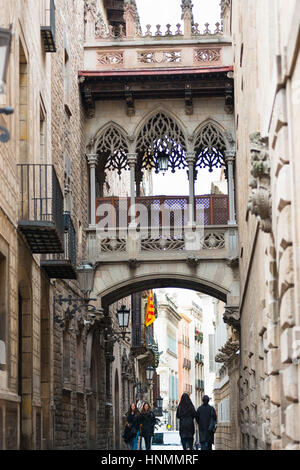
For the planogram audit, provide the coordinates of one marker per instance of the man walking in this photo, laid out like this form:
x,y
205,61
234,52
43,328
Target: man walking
x,y
207,421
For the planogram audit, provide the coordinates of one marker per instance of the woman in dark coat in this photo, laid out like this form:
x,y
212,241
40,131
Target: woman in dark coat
x,y
186,414
147,422
207,421
133,426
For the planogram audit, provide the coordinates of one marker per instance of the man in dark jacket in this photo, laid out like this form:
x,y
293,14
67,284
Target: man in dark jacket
x,y
207,421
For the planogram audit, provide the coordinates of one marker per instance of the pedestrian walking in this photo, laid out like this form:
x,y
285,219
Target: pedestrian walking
x,y
132,431
147,423
207,422
186,414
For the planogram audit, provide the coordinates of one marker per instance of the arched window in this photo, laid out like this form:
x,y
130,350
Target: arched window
x,y
210,146
161,136
113,149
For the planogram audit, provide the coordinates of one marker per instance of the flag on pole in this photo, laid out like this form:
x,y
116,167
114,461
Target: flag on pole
x,y
150,312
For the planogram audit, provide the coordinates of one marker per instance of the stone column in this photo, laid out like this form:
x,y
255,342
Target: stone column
x,y
92,161
190,158
132,161
230,158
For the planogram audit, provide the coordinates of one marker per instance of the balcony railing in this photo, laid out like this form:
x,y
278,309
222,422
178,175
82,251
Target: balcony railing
x,y
199,358
63,266
142,337
48,28
200,385
187,364
41,217
159,211
188,388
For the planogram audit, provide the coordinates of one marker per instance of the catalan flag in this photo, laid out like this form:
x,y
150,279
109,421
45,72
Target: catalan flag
x,y
150,312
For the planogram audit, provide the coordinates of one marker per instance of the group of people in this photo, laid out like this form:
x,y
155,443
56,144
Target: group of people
x,y
141,423
205,417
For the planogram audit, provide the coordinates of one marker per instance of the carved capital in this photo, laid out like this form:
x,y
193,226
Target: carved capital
x,y
92,159
260,203
190,158
232,317
132,159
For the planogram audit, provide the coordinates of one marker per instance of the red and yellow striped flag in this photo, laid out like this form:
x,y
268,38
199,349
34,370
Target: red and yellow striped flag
x,y
150,312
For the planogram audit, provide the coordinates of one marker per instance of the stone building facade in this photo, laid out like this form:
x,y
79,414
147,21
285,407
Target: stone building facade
x,y
267,67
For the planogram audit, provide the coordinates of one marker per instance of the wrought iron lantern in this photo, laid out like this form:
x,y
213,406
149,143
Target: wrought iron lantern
x,y
159,402
5,43
149,373
123,317
86,278
163,162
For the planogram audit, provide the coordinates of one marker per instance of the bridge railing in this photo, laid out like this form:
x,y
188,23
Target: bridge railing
x,y
162,211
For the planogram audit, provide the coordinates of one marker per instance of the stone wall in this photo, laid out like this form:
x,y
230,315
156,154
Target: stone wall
x,y
269,225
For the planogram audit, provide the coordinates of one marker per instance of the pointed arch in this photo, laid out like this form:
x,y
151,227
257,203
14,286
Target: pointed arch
x,y
210,145
158,135
111,144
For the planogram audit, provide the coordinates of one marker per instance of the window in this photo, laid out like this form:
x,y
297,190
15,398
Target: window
x,y
43,139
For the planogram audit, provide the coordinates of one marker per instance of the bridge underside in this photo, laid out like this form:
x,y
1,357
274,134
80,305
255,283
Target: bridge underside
x,y
215,278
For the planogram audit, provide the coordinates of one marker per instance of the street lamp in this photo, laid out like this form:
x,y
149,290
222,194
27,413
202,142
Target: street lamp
x,y
123,317
78,305
149,373
86,278
5,43
159,402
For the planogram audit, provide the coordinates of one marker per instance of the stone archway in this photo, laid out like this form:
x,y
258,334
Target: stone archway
x,y
214,277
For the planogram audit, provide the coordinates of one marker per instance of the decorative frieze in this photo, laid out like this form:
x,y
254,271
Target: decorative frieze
x,y
205,55
159,57
260,197
110,58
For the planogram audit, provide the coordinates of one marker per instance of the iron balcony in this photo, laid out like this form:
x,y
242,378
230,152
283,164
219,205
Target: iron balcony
x,y
41,217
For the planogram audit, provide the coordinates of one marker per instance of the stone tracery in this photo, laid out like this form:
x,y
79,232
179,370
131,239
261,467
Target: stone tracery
x,y
210,146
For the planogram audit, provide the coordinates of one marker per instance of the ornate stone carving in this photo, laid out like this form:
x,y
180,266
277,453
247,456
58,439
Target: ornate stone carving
x,y
205,55
228,351
162,244
90,8
210,146
225,4
113,148
187,10
110,58
159,57
101,29
214,241
232,317
260,198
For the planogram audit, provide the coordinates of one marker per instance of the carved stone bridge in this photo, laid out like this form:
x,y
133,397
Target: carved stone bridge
x,y
135,258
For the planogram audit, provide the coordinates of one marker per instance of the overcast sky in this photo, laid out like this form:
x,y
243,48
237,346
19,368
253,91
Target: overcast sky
x,y
168,11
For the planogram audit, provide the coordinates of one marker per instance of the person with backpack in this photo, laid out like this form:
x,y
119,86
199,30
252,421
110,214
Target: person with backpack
x,y
207,422
186,414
